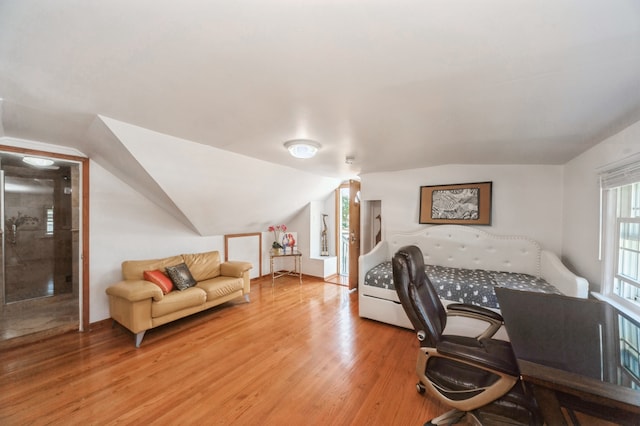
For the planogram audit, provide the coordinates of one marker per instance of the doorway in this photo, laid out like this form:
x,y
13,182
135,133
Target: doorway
x,y
40,244
342,239
348,231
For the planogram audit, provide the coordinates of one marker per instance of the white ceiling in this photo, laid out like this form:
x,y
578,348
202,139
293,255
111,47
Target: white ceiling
x,y
395,83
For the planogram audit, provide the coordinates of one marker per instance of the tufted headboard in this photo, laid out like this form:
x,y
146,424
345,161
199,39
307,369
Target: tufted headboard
x,y
463,247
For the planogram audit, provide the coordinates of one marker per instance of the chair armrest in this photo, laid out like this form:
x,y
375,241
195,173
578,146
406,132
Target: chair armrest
x,y
474,310
499,358
234,268
480,313
135,290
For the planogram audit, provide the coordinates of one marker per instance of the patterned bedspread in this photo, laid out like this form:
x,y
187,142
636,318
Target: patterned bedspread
x,y
474,286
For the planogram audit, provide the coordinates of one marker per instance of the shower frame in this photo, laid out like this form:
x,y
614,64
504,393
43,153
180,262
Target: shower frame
x,y
83,238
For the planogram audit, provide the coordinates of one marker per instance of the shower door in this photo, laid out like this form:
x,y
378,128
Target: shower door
x,y
39,267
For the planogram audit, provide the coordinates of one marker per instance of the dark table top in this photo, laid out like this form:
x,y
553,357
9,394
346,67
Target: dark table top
x,y
582,346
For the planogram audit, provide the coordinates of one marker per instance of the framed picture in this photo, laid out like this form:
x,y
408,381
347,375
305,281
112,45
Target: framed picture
x,y
458,204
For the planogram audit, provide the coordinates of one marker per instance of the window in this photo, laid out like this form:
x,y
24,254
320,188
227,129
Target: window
x,y
629,337
48,212
621,260
621,232
626,277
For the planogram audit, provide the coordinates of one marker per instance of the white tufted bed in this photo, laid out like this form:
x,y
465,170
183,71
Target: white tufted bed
x,y
462,248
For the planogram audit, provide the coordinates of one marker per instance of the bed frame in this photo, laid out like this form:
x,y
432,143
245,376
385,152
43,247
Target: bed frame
x,y
462,247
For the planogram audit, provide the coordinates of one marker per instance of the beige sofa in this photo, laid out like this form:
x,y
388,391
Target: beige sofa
x,y
140,305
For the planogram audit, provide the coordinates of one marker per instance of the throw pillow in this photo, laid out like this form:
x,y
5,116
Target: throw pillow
x,y
181,276
160,279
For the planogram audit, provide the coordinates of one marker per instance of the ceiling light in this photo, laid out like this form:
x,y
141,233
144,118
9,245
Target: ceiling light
x,y
302,148
38,162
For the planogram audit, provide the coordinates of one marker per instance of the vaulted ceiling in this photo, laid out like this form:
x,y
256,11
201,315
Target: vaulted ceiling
x,y
396,84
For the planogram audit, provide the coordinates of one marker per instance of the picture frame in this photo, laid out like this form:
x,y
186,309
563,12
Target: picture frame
x,y
456,204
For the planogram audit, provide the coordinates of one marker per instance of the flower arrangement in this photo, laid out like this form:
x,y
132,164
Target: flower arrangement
x,y
277,229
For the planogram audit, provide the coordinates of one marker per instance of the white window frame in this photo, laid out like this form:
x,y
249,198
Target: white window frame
x,y
611,181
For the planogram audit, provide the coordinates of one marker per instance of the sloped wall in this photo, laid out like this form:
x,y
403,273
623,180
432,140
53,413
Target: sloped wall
x,y
127,226
218,191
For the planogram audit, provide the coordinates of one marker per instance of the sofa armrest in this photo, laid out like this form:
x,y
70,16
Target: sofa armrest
x,y
234,268
135,290
557,274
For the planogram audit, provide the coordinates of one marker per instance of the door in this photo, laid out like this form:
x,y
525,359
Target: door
x,y
40,266
37,260
354,232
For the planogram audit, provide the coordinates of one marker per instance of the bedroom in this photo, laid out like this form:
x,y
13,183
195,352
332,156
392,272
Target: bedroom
x,y
557,84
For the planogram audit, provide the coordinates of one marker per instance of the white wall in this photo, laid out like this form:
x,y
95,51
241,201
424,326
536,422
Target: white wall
x,y
318,208
217,191
126,226
527,199
309,220
582,201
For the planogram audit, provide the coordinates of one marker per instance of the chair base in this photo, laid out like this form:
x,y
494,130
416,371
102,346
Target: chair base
x,y
477,418
449,418
486,417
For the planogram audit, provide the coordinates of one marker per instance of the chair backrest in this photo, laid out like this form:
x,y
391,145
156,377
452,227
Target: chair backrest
x,y
417,295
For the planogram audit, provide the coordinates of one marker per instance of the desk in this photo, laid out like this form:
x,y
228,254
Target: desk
x,y
297,264
575,353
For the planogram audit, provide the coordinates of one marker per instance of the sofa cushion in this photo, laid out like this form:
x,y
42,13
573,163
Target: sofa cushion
x,y
160,279
220,286
177,300
180,276
134,269
203,265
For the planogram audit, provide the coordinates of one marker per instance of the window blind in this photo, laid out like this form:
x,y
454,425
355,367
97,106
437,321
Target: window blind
x,y
621,174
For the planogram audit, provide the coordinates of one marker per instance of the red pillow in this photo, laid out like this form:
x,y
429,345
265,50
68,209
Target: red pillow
x,y
160,279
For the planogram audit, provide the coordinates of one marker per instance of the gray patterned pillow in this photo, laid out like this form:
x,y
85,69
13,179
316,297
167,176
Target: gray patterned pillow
x,y
181,276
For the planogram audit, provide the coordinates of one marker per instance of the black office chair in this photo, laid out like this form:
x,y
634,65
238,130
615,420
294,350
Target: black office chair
x,y
473,375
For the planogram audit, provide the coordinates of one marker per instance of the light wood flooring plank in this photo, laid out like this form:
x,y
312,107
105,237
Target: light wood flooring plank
x,y
296,354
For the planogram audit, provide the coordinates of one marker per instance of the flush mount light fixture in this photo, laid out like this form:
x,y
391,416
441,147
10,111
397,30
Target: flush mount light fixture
x,y
302,148
38,162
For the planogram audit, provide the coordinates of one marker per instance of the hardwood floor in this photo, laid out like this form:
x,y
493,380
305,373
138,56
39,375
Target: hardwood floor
x,y
296,354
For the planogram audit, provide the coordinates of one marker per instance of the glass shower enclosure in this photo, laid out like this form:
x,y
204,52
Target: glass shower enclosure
x,y
39,206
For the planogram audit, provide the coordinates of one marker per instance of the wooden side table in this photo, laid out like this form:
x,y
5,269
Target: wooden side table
x,y
297,264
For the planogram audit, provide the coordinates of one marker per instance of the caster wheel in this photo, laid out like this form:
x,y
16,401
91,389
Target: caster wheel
x,y
420,388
